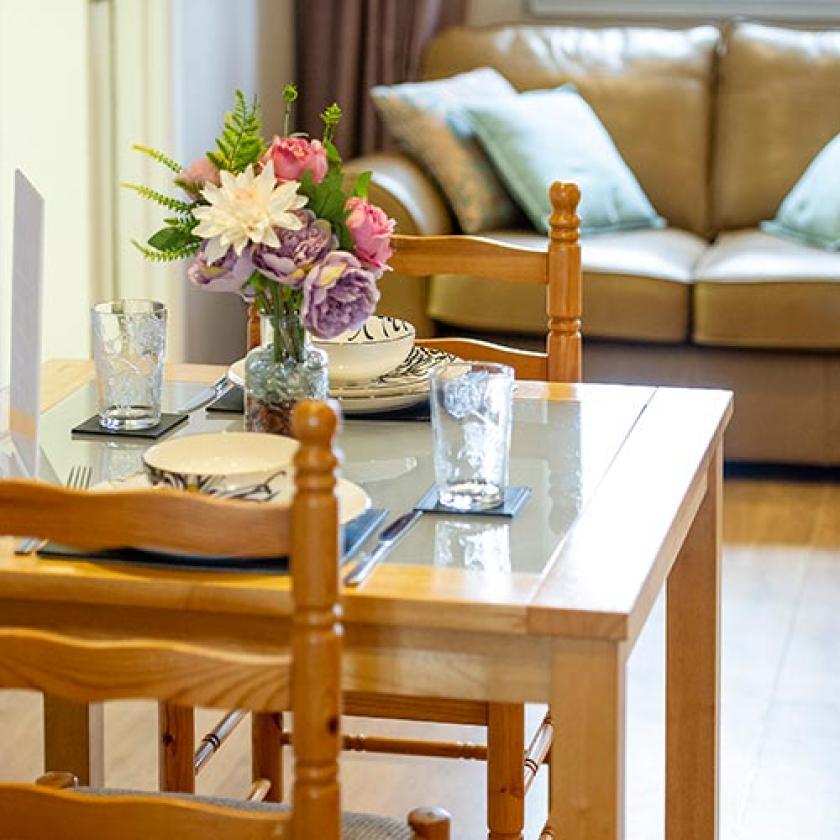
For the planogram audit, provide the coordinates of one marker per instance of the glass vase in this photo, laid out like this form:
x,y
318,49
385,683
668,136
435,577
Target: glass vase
x,y
279,373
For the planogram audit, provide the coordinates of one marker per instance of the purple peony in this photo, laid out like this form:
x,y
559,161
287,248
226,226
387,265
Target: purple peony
x,y
338,295
297,252
228,274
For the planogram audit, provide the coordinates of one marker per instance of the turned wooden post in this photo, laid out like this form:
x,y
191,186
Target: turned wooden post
x,y
564,303
505,779
316,625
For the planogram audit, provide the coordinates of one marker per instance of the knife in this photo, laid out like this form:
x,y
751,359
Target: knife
x,y
218,387
388,538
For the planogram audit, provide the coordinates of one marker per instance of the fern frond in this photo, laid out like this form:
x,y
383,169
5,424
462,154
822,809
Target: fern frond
x,y
240,142
159,198
167,256
160,157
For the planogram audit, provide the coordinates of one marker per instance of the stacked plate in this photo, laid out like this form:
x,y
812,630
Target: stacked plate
x,y
406,385
376,369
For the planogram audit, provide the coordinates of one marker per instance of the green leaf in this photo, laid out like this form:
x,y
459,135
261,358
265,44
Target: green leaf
x,y
169,239
360,187
333,155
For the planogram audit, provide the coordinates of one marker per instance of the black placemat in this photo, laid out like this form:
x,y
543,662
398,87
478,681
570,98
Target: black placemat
x,y
354,534
167,423
514,499
231,400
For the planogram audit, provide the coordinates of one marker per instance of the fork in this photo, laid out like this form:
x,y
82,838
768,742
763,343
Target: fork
x,y
79,478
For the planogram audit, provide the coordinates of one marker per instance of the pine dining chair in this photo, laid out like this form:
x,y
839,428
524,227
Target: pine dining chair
x,y
511,768
89,667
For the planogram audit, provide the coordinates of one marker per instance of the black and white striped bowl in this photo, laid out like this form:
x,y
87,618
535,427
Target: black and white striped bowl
x,y
380,346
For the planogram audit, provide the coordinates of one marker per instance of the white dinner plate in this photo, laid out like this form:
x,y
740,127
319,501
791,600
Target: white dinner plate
x,y
410,378
353,501
381,405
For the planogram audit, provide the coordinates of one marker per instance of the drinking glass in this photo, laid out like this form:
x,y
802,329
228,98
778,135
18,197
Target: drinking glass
x,y
472,403
129,344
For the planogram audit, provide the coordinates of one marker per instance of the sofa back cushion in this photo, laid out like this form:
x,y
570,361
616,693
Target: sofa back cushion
x,y
651,88
778,105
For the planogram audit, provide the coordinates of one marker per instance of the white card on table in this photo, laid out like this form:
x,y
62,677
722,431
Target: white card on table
x,y
27,283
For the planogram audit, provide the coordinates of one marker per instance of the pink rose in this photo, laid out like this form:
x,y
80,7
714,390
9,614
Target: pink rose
x,y
197,174
371,230
293,156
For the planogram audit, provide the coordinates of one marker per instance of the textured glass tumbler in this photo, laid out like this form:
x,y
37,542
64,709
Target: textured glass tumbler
x,y
472,403
129,347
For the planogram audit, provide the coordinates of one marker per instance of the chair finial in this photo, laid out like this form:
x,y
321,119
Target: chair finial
x,y
564,221
314,422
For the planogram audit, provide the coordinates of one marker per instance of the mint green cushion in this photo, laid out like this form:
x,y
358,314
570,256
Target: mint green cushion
x,y
811,210
543,136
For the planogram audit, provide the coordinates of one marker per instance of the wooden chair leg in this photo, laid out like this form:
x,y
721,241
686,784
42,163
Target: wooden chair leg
x,y
429,823
176,747
74,739
267,752
505,771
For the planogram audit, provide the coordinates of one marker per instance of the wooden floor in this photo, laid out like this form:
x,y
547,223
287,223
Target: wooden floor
x,y
781,697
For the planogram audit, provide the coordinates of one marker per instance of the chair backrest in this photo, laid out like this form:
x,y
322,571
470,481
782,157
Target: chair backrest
x,y
89,669
558,268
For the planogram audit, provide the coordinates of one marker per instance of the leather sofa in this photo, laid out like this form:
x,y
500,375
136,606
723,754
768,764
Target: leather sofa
x,y
717,125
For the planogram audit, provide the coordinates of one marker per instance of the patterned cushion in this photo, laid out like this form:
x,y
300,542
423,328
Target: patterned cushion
x,y
428,119
353,826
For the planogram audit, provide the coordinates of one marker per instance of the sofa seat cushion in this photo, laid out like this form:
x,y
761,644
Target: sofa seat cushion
x,y
753,289
635,287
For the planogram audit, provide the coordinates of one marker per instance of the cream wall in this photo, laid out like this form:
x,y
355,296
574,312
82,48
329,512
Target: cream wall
x,y
44,127
80,81
218,46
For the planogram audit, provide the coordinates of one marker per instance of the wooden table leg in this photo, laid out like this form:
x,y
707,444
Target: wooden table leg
x,y
505,771
586,778
176,748
693,674
74,739
267,752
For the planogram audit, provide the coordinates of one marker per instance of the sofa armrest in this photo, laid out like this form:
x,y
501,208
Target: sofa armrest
x,y
406,193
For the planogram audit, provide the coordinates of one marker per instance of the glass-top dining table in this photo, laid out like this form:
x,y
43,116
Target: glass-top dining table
x,y
544,607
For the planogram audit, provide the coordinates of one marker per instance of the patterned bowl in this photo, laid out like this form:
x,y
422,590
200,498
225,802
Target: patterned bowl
x,y
381,345
222,460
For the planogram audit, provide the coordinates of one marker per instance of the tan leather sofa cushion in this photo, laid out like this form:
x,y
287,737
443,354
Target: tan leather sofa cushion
x,y
778,105
635,286
756,290
650,87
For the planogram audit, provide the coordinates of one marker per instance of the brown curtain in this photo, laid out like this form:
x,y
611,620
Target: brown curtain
x,y
344,47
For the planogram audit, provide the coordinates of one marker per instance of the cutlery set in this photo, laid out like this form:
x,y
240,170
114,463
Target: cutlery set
x,y
80,477
387,539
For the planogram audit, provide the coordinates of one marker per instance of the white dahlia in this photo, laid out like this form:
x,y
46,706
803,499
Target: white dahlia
x,y
245,209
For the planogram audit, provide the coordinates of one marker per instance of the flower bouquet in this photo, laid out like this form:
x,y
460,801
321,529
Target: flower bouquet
x,y
274,223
